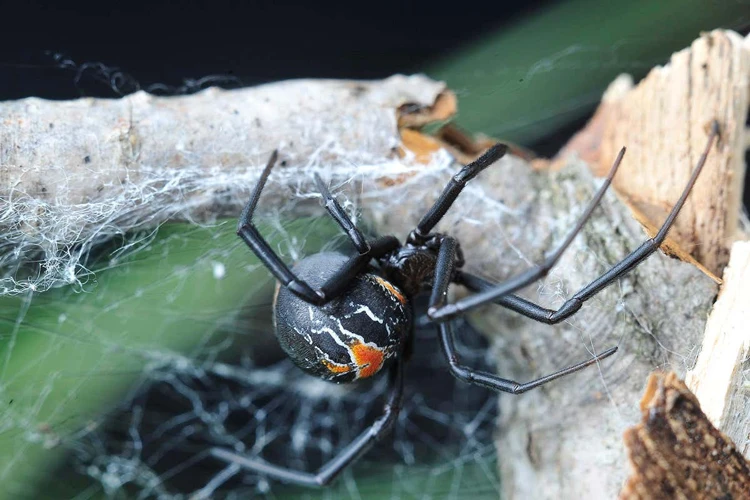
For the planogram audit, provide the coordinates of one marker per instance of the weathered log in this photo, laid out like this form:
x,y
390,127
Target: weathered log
x,y
564,440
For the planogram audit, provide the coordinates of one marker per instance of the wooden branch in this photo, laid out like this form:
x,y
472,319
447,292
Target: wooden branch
x,y
76,172
74,152
557,441
564,440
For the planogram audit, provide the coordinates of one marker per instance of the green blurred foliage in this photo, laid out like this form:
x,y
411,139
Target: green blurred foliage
x,y
541,72
69,354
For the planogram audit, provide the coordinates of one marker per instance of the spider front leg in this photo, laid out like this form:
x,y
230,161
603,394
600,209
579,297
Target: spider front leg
x,y
446,311
453,189
500,293
345,457
443,274
343,220
338,282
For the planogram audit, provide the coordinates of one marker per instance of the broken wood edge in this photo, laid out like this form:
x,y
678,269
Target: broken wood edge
x,y
415,116
660,121
717,379
670,246
463,147
675,451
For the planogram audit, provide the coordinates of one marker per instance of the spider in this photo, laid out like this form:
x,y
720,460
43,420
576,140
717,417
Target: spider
x,y
347,318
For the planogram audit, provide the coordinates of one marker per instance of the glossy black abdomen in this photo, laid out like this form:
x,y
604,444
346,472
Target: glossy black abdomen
x,y
352,336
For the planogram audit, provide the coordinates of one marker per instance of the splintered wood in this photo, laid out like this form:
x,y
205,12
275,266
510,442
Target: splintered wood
x,y
663,123
675,452
720,374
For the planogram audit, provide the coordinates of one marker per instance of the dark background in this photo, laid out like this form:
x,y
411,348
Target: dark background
x,y
102,50
168,42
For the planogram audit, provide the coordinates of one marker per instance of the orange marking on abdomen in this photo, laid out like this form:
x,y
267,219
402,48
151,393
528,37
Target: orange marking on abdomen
x,y
336,368
394,291
369,359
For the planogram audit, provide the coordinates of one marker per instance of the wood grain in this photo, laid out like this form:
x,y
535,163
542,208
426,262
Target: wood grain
x,y
663,122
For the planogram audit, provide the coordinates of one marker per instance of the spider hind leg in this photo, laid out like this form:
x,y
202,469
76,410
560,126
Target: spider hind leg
x,y
444,271
347,456
495,383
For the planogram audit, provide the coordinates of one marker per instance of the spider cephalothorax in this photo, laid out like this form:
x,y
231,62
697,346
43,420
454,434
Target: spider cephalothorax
x,y
412,266
346,318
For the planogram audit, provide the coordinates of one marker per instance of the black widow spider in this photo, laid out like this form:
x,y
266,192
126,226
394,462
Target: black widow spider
x,y
343,318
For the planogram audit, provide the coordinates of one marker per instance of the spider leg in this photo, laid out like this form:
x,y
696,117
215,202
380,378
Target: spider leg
x,y
443,272
455,186
506,288
343,220
491,381
354,450
335,285
442,312
519,304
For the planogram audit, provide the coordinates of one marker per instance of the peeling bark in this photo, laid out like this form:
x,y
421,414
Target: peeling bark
x,y
663,122
675,452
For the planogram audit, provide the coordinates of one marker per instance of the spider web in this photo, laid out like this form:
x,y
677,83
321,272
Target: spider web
x,y
161,346
127,354
214,376
235,390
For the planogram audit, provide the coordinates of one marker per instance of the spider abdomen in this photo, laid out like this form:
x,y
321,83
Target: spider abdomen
x,y
352,336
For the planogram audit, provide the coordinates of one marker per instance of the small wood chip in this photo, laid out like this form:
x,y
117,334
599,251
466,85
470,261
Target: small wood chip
x,y
676,452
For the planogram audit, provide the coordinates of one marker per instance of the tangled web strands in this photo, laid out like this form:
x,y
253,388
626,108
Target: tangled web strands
x,y
285,416
60,240
78,173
